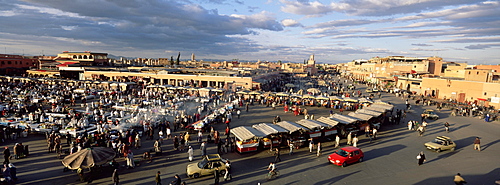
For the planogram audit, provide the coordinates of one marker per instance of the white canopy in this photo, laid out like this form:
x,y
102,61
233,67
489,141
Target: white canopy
x,y
328,121
383,106
268,128
290,126
369,112
363,117
245,133
312,124
342,119
377,109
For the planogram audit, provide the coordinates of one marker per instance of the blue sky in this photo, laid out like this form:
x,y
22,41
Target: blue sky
x,y
267,30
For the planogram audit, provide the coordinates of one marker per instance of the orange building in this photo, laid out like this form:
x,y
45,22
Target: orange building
x,y
16,64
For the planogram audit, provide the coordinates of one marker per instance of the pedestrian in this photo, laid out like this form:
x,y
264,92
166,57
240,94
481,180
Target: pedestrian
x,y
190,153
420,130
459,180
337,141
130,159
158,178
217,174
477,144
311,145
277,154
203,149
238,112
375,133
6,155
367,130
13,171
291,148
80,174
349,138
228,175
421,158
137,141
355,141
200,136
157,146
410,125
177,180
318,152
115,177
447,127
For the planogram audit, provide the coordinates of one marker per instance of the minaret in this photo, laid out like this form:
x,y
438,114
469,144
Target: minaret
x,y
192,57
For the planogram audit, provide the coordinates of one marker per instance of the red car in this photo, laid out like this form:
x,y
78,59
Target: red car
x,y
346,155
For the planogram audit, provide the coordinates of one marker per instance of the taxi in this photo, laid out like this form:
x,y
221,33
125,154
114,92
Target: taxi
x,y
441,143
207,166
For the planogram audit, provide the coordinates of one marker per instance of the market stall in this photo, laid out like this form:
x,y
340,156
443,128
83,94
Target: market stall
x,y
332,130
314,127
296,132
247,138
272,132
346,124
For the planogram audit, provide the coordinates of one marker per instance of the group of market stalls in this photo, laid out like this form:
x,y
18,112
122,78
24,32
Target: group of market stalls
x,y
267,135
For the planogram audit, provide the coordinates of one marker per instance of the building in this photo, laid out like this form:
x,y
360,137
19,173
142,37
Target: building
x,y
85,58
13,65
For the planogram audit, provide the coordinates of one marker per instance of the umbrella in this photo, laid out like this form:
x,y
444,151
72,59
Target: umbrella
x,y
289,85
314,90
256,93
282,94
309,83
301,92
322,98
88,157
308,96
243,92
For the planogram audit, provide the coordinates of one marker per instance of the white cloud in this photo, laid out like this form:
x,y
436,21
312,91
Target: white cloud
x,y
290,23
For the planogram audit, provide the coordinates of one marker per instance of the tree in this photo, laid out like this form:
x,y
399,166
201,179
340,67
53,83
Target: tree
x,y
279,62
171,60
178,61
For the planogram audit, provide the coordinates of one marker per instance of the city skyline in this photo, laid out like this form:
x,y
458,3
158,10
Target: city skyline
x,y
267,30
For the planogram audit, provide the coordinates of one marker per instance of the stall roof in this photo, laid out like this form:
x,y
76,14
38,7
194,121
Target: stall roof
x,y
328,121
268,128
311,124
385,106
290,126
245,133
377,109
342,119
369,112
363,117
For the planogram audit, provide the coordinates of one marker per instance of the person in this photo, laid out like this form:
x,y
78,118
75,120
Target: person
x,y
447,127
277,154
375,133
459,180
6,155
477,144
177,180
337,141
190,153
115,177
318,153
311,145
130,159
203,148
238,112
80,174
421,158
158,178
157,146
13,171
217,175
291,148
355,141
271,167
137,141
228,175
6,173
114,164
349,138
420,130
367,130
147,156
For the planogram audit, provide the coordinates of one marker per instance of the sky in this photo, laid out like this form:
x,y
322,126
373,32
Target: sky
x,y
334,31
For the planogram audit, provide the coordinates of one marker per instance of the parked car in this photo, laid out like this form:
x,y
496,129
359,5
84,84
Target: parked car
x,y
441,143
430,114
206,166
347,155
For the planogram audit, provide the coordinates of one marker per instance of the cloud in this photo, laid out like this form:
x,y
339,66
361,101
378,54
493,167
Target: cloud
x,y
425,45
482,46
155,25
368,7
290,23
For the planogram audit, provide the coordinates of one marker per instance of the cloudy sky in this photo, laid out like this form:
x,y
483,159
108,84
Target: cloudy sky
x,y
334,31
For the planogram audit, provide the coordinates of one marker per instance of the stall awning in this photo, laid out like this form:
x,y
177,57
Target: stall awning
x,y
363,117
376,109
290,126
268,128
328,121
342,119
245,133
311,124
369,112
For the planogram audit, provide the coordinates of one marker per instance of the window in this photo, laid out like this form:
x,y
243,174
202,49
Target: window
x,y
3,62
9,62
477,73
